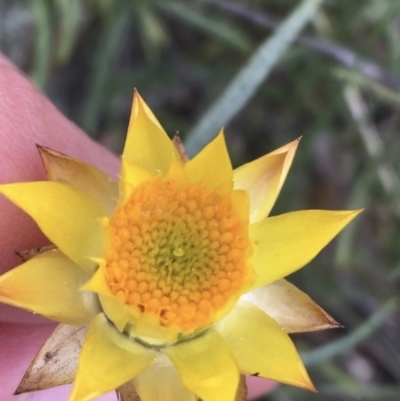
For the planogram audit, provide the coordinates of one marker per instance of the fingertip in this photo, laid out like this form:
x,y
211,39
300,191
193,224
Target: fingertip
x,y
27,117
258,386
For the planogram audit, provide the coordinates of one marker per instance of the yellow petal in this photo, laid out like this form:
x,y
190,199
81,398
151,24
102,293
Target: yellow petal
x,y
161,382
294,310
147,144
178,174
206,367
108,360
289,147
69,217
240,203
131,177
287,242
119,312
56,362
98,282
262,348
63,168
212,164
263,179
49,285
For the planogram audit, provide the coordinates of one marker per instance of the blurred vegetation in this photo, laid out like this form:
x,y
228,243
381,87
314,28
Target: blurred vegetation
x,y
337,86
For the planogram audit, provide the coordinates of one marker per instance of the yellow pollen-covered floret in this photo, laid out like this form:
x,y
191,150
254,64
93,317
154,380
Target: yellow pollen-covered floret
x,y
179,253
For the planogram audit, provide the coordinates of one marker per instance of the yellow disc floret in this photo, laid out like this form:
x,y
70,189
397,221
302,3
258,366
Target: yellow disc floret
x,y
177,253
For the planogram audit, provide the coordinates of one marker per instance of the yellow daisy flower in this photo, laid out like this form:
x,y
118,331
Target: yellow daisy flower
x,y
172,281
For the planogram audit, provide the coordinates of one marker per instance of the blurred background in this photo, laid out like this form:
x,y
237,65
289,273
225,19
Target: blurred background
x,y
337,86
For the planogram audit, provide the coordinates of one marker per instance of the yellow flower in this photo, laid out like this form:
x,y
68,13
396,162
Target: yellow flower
x,y
177,272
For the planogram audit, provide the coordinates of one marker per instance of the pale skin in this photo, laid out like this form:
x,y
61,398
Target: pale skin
x,y
27,117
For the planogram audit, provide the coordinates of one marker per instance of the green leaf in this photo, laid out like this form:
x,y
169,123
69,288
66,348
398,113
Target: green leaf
x,y
153,35
217,28
250,77
102,64
43,51
70,13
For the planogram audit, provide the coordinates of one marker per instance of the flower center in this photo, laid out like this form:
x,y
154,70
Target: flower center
x,y
177,254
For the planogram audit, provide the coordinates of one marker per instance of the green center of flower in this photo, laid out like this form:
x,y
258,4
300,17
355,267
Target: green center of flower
x,y
177,255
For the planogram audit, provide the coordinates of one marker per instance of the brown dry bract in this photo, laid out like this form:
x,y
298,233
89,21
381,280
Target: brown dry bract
x,y
56,362
180,148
